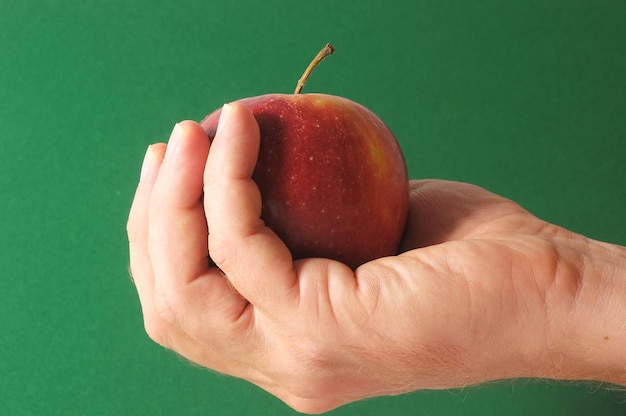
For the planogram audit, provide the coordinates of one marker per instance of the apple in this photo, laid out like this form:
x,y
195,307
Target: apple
x,y
332,176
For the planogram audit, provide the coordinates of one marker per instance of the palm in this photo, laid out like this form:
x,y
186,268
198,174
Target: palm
x,y
473,275
440,307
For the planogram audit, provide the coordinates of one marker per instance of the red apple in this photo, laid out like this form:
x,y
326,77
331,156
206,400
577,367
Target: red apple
x,y
332,176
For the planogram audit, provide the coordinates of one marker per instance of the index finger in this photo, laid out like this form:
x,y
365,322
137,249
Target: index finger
x,y
253,257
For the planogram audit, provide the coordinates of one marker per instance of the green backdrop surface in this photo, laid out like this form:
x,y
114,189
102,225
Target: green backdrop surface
x,y
527,99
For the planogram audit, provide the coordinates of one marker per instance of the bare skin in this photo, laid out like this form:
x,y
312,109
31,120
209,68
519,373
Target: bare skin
x,y
483,290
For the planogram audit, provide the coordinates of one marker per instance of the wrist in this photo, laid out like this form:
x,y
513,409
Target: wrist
x,y
587,339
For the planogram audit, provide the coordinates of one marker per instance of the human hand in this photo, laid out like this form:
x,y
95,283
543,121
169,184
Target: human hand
x,y
483,290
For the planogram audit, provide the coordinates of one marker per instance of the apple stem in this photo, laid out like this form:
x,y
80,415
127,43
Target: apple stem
x,y
326,50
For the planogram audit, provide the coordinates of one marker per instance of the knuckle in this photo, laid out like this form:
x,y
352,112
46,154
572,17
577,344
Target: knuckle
x,y
310,406
218,249
166,307
157,329
130,228
315,378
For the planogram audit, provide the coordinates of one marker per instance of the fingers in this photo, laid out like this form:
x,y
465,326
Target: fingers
x,y
137,227
178,231
255,260
188,294
182,299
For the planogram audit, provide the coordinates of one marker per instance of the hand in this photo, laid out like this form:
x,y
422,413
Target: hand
x,y
483,290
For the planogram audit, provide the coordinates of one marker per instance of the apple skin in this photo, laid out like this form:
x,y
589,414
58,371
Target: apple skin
x,y
332,176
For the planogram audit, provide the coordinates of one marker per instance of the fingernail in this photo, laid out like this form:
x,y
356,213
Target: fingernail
x,y
224,116
147,163
173,142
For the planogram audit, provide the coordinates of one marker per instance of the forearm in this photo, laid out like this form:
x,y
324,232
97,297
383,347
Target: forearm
x,y
592,329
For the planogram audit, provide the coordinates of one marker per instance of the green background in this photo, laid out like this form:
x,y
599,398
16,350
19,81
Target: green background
x,y
525,98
